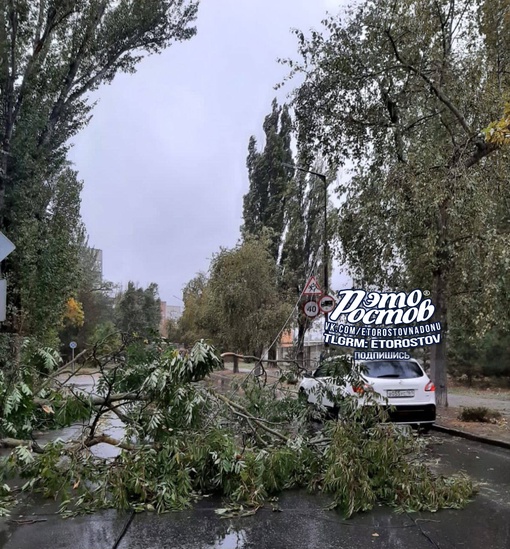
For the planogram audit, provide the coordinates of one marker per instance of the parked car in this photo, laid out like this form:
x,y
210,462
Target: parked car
x,y
400,385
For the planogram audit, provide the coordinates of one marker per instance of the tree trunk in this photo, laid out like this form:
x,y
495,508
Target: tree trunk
x,y
301,342
438,359
259,365
236,364
271,355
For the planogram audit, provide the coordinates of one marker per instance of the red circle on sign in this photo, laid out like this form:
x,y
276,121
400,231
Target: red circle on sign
x,y
311,309
326,303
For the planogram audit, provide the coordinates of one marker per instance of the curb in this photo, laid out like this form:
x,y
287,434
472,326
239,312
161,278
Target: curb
x,y
471,436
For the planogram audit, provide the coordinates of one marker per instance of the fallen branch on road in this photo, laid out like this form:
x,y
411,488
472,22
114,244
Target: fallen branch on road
x,y
184,439
15,443
241,411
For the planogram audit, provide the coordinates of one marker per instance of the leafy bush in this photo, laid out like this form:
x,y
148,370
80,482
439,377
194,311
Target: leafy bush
x,y
479,414
29,401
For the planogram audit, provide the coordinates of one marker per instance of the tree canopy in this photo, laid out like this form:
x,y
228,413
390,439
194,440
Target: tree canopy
x,y
265,203
248,309
54,54
138,311
413,95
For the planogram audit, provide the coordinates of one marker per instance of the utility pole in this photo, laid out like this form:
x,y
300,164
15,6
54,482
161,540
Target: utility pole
x,y
322,177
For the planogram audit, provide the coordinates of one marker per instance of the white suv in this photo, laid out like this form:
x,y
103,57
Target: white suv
x,y
399,384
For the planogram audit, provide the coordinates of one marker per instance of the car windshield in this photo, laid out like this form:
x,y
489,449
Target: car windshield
x,y
401,369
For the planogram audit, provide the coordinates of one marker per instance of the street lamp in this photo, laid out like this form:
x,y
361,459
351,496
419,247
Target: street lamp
x,y
322,177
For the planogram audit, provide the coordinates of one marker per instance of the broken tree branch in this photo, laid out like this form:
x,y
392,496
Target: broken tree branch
x,y
16,443
437,91
242,410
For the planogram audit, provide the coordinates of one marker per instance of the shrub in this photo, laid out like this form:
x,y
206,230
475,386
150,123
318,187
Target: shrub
x,y
479,414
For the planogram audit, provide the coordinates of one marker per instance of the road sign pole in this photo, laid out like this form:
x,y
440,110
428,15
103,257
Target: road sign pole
x,y
326,250
72,346
3,300
6,247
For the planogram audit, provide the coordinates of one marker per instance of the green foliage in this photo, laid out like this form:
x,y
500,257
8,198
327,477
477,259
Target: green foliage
x,y
54,54
7,500
28,403
183,440
288,206
247,310
363,467
486,355
265,203
393,89
106,338
96,298
138,311
43,272
496,354
238,307
422,159
195,322
173,330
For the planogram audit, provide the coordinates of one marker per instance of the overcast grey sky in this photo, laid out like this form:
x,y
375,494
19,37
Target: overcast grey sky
x,y
164,157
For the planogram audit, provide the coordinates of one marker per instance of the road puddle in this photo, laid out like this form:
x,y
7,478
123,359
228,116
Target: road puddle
x,y
234,539
109,424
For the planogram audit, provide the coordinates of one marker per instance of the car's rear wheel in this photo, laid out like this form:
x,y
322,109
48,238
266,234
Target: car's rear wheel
x,y
332,413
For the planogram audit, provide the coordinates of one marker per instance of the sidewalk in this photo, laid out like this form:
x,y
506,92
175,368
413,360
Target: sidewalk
x,y
495,433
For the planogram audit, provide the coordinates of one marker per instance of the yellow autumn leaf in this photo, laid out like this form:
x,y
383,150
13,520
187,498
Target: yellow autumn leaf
x,y
498,132
74,312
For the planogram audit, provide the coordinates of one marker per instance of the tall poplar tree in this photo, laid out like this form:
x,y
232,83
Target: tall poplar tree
x,y
53,54
265,202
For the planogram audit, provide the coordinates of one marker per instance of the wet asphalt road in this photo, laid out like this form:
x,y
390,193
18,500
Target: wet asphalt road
x,y
302,522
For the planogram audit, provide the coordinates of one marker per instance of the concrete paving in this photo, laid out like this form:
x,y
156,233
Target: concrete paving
x,y
302,523
488,401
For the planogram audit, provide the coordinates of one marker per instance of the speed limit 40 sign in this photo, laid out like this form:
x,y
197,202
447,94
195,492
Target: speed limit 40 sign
x,y
311,309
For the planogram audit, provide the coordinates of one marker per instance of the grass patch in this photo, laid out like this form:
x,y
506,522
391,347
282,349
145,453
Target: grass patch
x,y
480,414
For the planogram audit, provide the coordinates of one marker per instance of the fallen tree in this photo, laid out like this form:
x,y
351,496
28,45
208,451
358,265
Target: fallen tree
x,y
183,438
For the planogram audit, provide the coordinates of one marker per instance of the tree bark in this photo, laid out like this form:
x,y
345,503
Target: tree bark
x,y
442,266
301,342
271,354
438,357
236,364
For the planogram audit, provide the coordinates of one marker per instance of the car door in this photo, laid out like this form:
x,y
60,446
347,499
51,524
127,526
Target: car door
x,y
323,386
